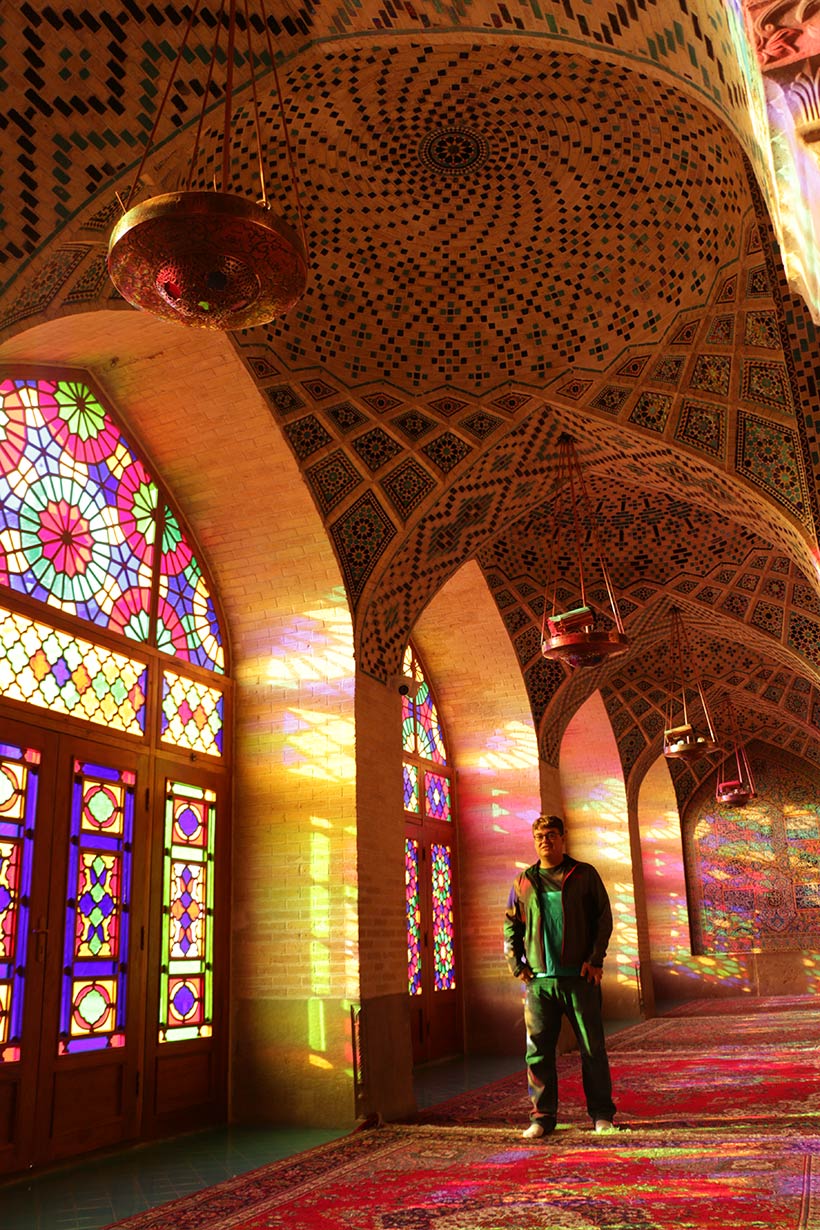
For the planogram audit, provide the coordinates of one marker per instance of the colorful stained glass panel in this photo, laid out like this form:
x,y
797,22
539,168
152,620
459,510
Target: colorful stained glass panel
x,y
443,929
436,796
192,714
79,517
66,674
187,625
408,725
78,509
186,975
428,727
95,957
411,788
413,906
19,776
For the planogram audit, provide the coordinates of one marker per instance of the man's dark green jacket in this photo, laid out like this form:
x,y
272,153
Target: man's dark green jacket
x,y
587,919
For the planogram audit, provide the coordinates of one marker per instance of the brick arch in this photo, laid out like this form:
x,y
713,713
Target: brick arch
x,y
201,421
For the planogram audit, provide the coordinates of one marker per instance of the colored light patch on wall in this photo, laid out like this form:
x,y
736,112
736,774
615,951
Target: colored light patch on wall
x,y
411,788
436,796
66,674
413,907
94,991
755,870
192,714
19,778
186,973
443,926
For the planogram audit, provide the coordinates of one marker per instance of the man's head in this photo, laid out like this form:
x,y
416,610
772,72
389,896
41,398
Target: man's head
x,y
548,835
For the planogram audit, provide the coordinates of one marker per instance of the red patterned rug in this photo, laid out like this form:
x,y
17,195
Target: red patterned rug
x,y
742,1004
725,1130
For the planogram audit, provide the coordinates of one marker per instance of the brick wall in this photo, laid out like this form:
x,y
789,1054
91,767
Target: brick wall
x,y
483,703
598,832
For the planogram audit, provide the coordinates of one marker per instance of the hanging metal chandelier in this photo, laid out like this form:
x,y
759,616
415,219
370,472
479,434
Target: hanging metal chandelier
x,y
212,259
686,740
735,781
574,636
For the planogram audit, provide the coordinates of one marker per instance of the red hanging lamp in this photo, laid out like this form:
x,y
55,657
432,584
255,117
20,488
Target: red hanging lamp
x,y
573,636
686,740
212,259
735,780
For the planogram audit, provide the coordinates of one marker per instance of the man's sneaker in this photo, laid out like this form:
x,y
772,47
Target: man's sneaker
x,y
537,1129
604,1126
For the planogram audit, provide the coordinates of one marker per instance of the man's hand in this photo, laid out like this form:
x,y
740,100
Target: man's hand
x,y
592,973
526,974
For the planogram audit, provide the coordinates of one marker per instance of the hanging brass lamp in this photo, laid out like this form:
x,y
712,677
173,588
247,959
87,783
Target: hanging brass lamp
x,y
735,781
212,259
575,636
686,740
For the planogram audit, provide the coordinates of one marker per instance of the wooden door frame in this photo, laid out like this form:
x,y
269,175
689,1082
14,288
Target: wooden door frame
x,y
157,1121
52,1143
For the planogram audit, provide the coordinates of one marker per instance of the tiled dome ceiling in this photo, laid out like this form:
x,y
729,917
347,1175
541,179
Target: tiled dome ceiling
x,y
477,216
520,222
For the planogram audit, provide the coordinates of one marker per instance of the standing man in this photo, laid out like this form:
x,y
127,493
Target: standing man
x,y
557,928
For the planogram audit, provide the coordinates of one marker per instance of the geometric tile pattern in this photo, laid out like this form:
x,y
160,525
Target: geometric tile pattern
x,y
497,303
768,454
765,383
407,486
332,479
702,426
711,374
360,536
761,330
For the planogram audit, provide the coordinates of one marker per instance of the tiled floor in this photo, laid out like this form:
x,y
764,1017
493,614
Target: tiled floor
x,y
96,1193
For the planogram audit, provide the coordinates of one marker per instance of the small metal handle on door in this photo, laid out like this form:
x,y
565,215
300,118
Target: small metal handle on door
x,y
41,932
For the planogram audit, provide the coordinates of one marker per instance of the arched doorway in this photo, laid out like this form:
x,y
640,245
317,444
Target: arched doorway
x,y
430,873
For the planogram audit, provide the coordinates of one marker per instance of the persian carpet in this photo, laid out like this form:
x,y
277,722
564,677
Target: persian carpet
x,y
725,1134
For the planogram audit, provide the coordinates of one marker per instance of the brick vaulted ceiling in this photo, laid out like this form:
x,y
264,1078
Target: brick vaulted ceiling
x,y
521,220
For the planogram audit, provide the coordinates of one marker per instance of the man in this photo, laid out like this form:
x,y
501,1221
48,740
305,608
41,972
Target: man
x,y
557,928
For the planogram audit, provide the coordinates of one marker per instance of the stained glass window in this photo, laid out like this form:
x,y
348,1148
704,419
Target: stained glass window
x,y
79,519
428,805
411,880
19,770
437,796
95,947
66,674
411,787
443,932
192,714
186,976
421,725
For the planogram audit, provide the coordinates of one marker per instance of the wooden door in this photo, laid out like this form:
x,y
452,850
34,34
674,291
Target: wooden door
x,y
74,910
434,985
186,1035
26,815
92,1012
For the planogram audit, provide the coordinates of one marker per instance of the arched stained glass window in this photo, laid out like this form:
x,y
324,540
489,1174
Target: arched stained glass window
x,y
421,726
83,527
113,682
